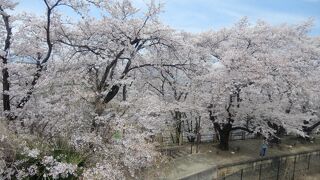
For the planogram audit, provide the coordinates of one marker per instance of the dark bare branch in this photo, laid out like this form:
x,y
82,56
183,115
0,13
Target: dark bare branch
x,y
5,73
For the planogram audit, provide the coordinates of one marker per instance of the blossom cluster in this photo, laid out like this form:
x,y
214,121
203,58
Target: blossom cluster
x,y
33,165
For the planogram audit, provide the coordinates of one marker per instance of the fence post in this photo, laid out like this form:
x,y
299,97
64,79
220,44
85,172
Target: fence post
x,y
294,166
260,170
241,174
309,161
278,171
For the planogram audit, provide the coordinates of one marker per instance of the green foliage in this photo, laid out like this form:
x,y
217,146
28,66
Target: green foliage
x,y
117,135
65,153
60,151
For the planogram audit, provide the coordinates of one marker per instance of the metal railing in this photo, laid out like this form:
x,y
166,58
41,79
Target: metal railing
x,y
274,168
205,138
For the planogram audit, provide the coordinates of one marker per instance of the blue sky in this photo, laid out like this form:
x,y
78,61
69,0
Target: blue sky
x,y
201,15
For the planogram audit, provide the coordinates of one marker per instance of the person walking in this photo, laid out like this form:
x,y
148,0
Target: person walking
x,y
263,148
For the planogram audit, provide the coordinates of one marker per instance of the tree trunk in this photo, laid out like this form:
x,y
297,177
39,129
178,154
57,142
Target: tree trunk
x,y
5,73
181,139
111,94
5,88
217,134
124,92
178,133
280,131
178,128
224,134
224,140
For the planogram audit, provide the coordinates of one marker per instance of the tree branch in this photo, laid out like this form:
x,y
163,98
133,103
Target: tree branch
x,y
107,70
155,65
309,129
41,64
241,128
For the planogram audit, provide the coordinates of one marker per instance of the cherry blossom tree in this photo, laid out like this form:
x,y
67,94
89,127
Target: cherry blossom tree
x,y
33,41
108,83
75,94
263,67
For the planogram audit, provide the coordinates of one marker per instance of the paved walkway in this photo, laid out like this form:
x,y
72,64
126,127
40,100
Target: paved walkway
x,y
210,156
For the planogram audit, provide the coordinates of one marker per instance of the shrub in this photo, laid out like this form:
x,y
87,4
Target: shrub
x,y
57,161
